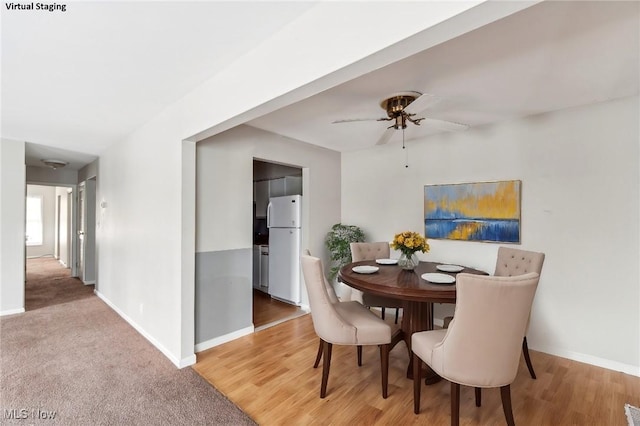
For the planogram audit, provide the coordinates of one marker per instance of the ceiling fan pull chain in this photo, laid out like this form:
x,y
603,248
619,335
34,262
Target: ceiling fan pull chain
x,y
406,152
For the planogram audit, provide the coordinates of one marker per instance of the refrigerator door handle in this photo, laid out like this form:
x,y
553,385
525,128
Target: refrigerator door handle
x,y
269,215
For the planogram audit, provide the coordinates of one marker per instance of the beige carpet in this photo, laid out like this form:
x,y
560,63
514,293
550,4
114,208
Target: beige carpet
x,y
83,364
49,283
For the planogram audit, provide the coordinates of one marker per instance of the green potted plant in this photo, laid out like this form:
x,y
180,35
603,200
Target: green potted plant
x,y
338,242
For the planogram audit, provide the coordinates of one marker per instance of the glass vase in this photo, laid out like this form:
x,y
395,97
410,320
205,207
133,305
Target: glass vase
x,y
408,261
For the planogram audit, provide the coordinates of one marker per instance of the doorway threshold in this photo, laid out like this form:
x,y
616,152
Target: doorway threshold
x,y
297,314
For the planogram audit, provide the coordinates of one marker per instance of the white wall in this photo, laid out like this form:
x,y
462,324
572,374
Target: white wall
x,y
224,214
580,205
224,221
139,235
48,194
12,218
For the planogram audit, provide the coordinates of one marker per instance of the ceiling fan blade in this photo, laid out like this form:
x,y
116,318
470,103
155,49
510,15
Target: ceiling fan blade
x,y
350,120
444,125
421,103
386,136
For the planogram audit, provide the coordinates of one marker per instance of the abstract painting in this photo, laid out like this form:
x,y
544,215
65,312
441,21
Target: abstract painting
x,y
484,211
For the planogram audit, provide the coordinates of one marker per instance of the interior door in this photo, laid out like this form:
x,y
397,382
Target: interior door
x,y
82,212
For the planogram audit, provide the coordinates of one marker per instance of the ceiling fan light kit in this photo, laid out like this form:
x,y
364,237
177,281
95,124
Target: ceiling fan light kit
x,y
54,164
397,102
404,106
396,105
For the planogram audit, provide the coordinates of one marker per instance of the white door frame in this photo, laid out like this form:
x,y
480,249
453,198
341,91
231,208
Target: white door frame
x,y
73,240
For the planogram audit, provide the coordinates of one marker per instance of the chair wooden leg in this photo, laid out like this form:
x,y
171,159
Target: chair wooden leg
x,y
382,313
478,397
325,368
397,311
359,355
319,355
417,382
384,367
525,351
505,394
455,404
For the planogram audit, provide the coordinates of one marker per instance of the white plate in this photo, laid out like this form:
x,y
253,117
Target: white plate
x,y
449,268
387,261
365,269
438,278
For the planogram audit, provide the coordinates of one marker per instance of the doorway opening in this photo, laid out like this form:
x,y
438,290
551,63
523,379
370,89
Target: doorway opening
x,y
275,258
50,247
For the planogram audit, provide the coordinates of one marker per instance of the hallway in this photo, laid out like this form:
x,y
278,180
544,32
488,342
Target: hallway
x,y
49,283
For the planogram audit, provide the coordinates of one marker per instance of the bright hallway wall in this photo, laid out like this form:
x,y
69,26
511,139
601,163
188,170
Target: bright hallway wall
x,y
580,173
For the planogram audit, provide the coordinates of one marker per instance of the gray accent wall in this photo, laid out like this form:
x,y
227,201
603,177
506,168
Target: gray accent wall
x,y
224,298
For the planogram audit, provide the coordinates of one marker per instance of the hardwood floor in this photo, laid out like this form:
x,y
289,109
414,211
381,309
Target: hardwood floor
x,y
270,375
267,310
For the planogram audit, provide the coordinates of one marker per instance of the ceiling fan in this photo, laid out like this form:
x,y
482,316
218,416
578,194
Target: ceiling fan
x,y
402,107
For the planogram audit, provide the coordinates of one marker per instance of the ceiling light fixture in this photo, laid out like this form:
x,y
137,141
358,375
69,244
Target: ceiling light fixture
x,y
54,164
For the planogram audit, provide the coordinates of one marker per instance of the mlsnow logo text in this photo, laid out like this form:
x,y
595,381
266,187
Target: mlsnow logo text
x,y
25,413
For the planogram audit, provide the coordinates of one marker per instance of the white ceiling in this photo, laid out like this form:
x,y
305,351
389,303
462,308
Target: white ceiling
x,y
78,82
83,79
551,56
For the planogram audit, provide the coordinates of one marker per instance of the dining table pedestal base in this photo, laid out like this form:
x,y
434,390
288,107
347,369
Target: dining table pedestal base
x,y
417,316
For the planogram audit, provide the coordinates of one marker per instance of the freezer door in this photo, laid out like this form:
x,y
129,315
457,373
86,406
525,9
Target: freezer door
x,y
284,264
284,212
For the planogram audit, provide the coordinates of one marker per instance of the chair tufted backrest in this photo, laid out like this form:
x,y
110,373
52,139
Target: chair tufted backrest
x,y
513,262
370,251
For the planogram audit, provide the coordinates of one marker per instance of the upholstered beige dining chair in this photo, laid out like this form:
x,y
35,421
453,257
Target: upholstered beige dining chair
x,y
513,262
481,347
373,251
333,298
342,323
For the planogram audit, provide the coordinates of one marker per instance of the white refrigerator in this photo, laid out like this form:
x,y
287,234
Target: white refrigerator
x,y
283,220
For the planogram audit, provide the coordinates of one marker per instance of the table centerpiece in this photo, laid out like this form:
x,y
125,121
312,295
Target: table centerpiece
x,y
408,243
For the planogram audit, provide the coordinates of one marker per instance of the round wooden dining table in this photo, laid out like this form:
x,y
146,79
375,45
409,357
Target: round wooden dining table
x,y
417,296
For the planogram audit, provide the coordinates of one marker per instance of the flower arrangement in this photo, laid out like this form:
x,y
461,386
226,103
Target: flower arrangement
x,y
409,242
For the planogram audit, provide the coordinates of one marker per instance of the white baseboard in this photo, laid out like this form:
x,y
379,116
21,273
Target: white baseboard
x,y
63,263
180,363
89,282
633,370
203,346
12,312
185,362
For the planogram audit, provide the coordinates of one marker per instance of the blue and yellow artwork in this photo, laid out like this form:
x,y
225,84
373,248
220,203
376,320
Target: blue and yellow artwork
x,y
485,211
